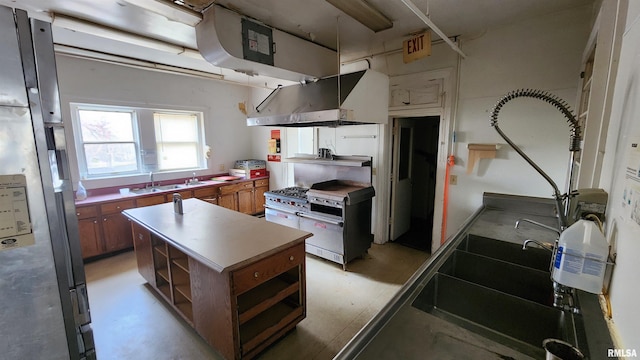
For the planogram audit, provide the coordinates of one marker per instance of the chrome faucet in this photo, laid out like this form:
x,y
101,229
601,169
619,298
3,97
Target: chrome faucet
x,y
547,227
151,180
193,179
546,246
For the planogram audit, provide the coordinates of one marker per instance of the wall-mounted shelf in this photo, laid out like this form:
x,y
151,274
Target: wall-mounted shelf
x,y
480,151
337,160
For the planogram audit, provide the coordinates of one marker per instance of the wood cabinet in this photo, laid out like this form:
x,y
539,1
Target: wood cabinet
x,y
228,196
144,252
246,201
89,231
115,227
208,194
261,186
246,197
238,312
151,200
103,229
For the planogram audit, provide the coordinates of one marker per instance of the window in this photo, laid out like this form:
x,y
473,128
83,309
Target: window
x,y
176,141
119,141
108,141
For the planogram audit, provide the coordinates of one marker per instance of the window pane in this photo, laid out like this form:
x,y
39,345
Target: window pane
x,y
105,126
176,128
178,156
110,158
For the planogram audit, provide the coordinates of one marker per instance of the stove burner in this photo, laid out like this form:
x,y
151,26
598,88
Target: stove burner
x,y
294,192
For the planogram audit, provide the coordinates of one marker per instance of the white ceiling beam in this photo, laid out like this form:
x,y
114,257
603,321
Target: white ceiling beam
x,y
432,26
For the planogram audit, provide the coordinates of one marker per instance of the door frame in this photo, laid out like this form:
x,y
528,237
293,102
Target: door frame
x,y
444,144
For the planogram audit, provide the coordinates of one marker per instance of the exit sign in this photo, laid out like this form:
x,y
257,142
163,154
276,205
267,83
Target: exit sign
x,y
417,47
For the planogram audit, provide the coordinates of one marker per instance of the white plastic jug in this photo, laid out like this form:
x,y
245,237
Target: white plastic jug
x,y
581,257
81,194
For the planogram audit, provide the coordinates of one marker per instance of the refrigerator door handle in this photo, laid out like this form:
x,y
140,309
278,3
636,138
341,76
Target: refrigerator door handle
x,y
80,302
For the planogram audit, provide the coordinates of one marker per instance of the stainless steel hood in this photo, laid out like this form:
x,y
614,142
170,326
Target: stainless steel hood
x,y
363,95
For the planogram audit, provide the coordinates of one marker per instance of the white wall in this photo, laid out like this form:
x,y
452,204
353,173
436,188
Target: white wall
x,y
540,53
102,83
623,232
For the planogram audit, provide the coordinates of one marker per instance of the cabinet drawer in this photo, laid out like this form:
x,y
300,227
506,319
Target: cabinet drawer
x,y
246,185
150,200
86,212
262,182
267,268
209,192
228,189
117,207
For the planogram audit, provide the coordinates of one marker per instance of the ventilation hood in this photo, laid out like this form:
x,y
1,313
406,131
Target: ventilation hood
x,y
233,41
364,98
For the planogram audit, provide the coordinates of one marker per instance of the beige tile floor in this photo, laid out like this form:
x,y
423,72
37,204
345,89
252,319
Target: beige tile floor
x,y
130,322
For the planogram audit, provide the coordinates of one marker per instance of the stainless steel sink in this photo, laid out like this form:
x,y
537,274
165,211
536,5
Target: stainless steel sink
x,y
517,280
510,320
507,251
499,291
158,189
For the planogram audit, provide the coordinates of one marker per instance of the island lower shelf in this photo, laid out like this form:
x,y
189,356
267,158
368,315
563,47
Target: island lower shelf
x,y
238,312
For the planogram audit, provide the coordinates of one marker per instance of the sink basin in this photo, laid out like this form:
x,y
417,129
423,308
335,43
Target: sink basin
x,y
524,282
507,251
499,291
158,189
510,320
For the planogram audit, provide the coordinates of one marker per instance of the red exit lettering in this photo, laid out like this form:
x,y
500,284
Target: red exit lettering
x,y
415,44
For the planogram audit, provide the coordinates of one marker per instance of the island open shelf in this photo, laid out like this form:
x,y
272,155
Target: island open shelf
x,y
239,281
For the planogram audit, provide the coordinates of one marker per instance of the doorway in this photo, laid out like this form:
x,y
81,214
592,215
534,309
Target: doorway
x,y
413,180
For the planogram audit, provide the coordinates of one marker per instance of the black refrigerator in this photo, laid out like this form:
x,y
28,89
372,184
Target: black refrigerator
x,y
45,310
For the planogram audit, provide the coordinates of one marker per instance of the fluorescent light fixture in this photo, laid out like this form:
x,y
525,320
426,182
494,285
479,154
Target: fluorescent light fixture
x,y
134,63
86,27
364,13
169,10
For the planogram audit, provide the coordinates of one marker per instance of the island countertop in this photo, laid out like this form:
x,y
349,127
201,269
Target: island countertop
x,y
220,238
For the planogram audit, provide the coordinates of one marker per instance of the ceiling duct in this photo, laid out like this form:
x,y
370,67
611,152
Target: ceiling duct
x,y
364,98
229,40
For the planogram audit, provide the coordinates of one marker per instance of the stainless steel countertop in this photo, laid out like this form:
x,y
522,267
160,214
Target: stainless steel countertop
x,y
400,331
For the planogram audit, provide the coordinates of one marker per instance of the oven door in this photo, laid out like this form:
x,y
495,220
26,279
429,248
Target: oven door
x,y
282,217
327,233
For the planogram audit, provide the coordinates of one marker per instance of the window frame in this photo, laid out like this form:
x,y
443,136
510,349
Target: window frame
x,y
144,139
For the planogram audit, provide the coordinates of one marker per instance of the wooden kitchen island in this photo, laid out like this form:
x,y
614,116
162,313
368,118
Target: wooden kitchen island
x,y
237,279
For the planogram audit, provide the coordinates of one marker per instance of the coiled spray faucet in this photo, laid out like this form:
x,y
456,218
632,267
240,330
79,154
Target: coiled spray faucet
x,y
562,206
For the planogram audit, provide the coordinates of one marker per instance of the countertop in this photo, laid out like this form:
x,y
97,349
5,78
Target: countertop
x,y
400,331
115,195
218,237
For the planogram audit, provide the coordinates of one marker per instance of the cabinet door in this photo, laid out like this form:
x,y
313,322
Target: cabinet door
x,y
117,232
262,186
90,241
144,252
229,201
246,203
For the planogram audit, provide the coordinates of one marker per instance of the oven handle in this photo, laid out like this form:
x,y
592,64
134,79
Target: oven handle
x,y
281,210
339,223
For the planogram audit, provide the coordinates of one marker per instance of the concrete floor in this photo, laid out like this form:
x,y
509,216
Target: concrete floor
x,y
131,322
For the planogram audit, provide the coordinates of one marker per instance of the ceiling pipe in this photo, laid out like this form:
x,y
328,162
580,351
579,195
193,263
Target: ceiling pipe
x,y
432,26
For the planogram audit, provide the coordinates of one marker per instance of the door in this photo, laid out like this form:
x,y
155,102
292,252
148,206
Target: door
x,y
401,185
